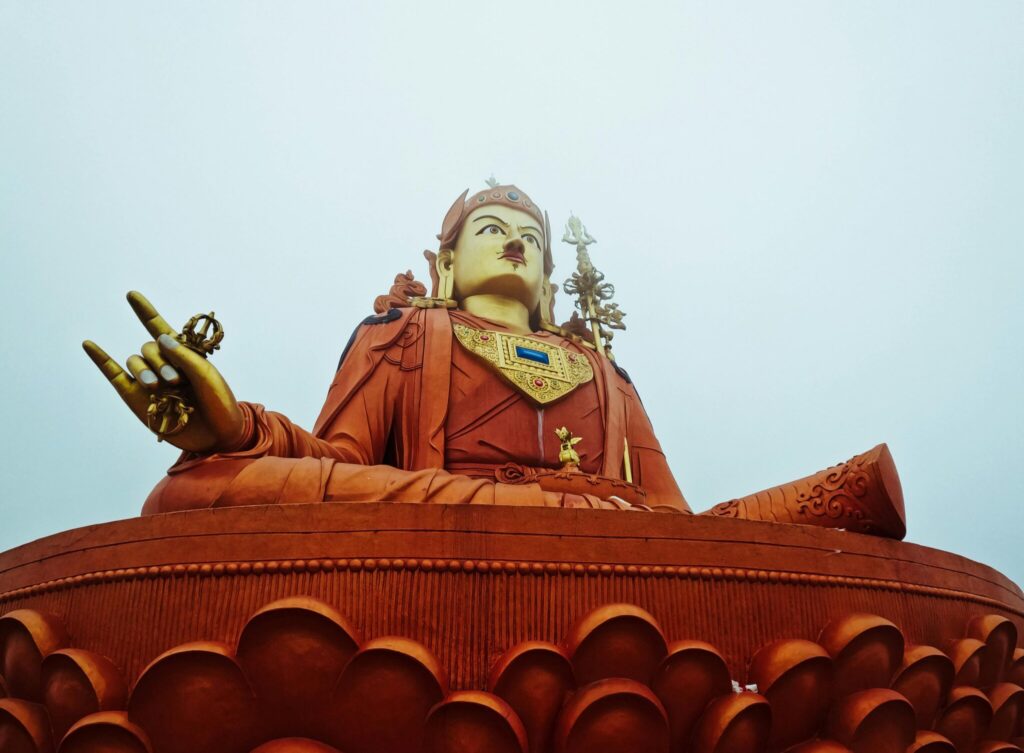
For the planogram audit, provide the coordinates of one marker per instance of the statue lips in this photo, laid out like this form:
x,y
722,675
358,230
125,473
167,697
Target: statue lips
x,y
514,255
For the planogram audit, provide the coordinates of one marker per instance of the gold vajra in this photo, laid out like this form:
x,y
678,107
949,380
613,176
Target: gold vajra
x,y
202,342
167,414
169,410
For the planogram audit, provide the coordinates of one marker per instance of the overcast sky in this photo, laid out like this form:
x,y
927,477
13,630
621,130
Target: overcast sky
x,y
811,211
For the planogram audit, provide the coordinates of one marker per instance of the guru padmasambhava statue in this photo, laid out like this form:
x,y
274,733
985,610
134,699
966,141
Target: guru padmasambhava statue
x,y
470,395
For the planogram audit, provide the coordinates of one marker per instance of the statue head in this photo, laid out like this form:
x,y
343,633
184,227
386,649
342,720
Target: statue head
x,y
497,242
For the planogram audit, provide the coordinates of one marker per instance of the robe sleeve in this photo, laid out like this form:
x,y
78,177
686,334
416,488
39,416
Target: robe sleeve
x,y
650,467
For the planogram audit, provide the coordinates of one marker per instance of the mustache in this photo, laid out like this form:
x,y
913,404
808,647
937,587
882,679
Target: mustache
x,y
518,256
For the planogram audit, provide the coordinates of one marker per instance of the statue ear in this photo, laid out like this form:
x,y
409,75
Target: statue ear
x,y
549,262
547,301
445,274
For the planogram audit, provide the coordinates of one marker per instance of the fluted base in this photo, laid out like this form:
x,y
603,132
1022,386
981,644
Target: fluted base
x,y
633,610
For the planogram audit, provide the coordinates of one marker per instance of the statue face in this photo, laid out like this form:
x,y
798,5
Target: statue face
x,y
499,251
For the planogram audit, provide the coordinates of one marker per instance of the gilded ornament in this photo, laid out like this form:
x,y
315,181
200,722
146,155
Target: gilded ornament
x,y
167,414
203,341
593,294
567,455
540,370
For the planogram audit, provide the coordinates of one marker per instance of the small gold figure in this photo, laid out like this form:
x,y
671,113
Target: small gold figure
x,y
567,456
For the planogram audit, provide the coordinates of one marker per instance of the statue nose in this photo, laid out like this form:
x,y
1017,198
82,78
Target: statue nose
x,y
514,245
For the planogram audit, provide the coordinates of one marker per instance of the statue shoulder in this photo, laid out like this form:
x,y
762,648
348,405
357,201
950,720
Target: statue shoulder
x,y
381,330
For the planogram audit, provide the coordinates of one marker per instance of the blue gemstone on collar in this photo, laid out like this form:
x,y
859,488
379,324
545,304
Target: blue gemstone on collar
x,y
538,356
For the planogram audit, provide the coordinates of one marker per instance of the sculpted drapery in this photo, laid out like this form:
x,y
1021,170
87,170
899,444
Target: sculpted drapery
x,y
472,395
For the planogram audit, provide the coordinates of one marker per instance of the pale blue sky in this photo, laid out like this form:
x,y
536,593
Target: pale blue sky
x,y
811,212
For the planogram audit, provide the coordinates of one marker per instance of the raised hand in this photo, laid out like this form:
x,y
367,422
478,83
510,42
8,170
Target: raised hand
x,y
166,366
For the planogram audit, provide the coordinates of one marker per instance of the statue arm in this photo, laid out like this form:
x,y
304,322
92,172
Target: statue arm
x,y
270,434
354,423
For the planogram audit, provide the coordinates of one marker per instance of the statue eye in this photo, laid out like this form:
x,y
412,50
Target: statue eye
x,y
531,238
491,230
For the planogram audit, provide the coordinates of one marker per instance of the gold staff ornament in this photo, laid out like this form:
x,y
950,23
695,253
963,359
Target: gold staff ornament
x,y
169,410
593,294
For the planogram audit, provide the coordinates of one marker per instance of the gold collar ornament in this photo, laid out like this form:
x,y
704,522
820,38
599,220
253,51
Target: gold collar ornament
x,y
540,370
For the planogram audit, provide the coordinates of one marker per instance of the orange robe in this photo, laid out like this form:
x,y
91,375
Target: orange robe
x,y
413,417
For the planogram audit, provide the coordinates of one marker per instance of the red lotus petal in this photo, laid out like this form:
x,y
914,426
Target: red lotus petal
x,y
195,699
26,637
867,650
613,716
796,677
470,720
293,651
106,731
383,697
924,679
739,723
535,678
24,727
873,721
77,683
1000,638
691,676
616,640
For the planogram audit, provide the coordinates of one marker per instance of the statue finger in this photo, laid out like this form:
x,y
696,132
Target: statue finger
x,y
103,362
220,408
155,324
142,372
157,362
130,391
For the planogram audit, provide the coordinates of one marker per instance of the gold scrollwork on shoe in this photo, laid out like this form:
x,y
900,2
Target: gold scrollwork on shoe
x,y
540,370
